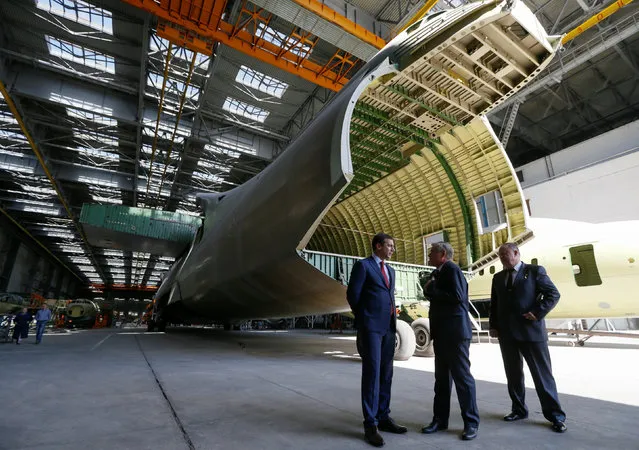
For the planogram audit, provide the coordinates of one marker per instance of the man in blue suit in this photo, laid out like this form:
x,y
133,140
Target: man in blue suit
x,y
521,296
451,331
371,297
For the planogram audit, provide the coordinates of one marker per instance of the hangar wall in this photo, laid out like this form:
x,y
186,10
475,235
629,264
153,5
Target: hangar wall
x,y
594,181
25,269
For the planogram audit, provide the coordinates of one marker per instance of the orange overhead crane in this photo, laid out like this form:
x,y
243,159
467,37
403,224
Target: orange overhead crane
x,y
594,20
344,23
198,24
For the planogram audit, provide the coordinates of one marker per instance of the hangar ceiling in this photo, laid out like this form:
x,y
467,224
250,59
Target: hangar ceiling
x,y
121,115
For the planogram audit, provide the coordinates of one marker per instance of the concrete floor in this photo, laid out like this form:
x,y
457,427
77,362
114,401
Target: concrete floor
x,y
208,389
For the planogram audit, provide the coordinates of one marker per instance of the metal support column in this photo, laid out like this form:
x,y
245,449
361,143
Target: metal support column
x,y
509,118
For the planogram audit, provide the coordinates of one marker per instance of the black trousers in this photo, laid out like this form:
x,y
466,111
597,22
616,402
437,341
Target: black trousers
x,y
537,358
452,363
377,351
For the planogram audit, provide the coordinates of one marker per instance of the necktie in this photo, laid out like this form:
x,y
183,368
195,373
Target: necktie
x,y
509,281
381,263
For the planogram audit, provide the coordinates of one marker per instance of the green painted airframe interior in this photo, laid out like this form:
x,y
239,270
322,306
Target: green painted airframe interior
x,y
148,230
375,145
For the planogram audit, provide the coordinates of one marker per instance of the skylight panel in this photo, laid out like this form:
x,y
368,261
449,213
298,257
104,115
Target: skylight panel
x,y
11,135
213,165
190,213
216,149
41,210
157,167
281,39
80,259
115,263
4,151
79,54
235,106
95,153
100,199
158,43
234,144
261,82
168,259
33,202
81,12
154,190
95,137
165,131
15,167
80,104
112,252
99,181
207,177
39,190
71,249
93,117
7,117
100,189
59,234
173,86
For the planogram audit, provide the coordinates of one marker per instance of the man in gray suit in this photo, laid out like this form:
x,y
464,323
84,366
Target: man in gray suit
x,y
521,296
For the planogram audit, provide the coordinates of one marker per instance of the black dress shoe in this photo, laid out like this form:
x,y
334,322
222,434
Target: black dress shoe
x,y
433,427
390,426
515,416
559,426
373,437
469,433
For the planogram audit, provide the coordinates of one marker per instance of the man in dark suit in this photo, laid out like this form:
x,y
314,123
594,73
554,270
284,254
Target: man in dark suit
x,y
451,331
371,297
521,296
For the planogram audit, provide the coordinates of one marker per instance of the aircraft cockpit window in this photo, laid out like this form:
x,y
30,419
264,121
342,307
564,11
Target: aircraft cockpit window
x,y
584,265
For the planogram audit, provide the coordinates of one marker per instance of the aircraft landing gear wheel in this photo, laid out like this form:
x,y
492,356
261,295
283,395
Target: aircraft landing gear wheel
x,y
150,326
423,341
161,325
404,341
581,343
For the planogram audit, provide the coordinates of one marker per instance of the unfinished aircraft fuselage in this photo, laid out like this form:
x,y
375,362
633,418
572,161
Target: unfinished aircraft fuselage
x,y
245,262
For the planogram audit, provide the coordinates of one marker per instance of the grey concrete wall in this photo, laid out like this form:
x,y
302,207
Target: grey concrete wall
x,y
25,268
5,250
22,271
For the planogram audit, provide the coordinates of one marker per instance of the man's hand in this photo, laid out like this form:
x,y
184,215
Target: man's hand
x,y
530,316
493,333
